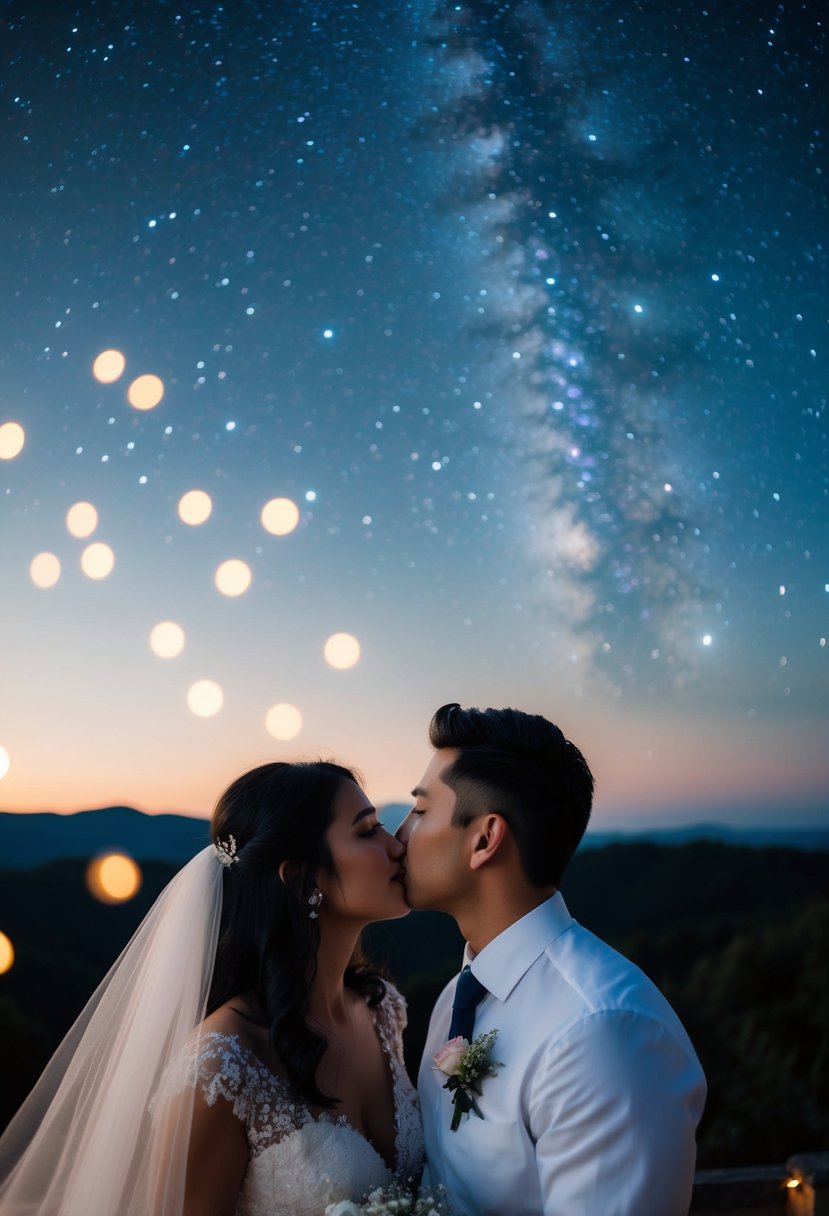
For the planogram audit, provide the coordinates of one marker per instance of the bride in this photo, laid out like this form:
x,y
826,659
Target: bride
x,y
240,1057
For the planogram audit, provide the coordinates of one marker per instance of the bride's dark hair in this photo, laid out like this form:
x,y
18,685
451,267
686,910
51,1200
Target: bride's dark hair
x,y
268,943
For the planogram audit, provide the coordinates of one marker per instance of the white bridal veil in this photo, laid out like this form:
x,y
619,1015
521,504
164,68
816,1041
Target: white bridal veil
x,y
84,1142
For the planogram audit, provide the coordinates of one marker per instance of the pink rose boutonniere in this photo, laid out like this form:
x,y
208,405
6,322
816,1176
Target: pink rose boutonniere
x,y
465,1065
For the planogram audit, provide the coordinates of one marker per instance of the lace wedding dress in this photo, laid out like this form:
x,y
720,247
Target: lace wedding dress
x,y
300,1162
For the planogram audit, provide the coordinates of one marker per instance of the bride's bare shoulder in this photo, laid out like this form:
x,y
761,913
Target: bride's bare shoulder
x,y
234,1017
238,1018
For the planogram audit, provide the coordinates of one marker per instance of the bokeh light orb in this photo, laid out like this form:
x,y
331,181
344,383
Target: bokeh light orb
x,y
12,439
113,878
283,721
108,366
97,561
341,650
167,639
6,953
44,570
233,577
205,698
81,519
5,762
279,516
145,392
194,507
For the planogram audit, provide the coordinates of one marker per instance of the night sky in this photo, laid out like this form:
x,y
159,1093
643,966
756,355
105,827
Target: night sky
x,y
522,306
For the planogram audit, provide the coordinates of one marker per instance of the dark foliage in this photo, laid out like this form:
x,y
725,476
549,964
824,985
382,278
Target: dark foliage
x,y
735,937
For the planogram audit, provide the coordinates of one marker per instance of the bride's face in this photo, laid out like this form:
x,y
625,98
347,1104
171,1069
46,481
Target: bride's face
x,y
368,881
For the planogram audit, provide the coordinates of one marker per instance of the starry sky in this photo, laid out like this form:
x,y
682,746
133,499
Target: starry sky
x,y
514,313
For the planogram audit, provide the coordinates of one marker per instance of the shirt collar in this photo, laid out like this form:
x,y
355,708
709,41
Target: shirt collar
x,y
504,960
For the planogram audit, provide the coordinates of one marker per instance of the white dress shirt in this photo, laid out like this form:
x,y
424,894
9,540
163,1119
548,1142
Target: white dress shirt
x,y
595,1109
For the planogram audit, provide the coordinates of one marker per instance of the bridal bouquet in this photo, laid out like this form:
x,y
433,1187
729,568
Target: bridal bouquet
x,y
391,1201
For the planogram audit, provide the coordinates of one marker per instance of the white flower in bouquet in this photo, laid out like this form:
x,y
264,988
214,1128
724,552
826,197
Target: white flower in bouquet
x,y
391,1201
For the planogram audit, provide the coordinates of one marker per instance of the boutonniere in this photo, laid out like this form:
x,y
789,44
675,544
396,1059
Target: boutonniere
x,y
465,1065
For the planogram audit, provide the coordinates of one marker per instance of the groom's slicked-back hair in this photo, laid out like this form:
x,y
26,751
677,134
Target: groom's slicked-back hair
x,y
521,766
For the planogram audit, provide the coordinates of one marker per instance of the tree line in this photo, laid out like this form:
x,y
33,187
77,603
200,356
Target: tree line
x,y
735,937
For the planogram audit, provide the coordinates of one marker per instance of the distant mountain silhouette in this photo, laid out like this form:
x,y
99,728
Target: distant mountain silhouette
x,y
28,840
789,838
31,840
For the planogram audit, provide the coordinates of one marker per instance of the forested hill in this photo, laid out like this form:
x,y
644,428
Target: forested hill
x,y
640,887
735,936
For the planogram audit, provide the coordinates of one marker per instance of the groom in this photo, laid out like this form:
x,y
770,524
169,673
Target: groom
x,y
593,1109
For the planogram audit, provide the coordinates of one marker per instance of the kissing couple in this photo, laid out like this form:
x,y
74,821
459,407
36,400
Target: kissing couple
x,y
244,1058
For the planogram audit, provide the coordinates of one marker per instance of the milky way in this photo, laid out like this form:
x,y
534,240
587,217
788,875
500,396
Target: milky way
x,y
641,198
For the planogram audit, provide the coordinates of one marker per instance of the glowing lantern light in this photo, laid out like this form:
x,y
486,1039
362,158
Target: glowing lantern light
x,y
194,507
233,577
279,516
167,639
283,721
342,650
108,366
145,392
6,953
113,878
81,519
5,762
44,570
97,561
205,698
12,438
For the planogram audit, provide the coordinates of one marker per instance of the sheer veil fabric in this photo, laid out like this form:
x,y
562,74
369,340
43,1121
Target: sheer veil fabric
x,y
85,1142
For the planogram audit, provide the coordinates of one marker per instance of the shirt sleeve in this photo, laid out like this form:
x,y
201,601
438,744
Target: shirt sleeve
x,y
613,1110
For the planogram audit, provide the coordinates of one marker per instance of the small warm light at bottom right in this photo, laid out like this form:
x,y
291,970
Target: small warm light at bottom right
x,y
791,1183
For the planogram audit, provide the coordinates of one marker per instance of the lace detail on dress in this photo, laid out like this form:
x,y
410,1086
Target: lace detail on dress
x,y
391,1020
299,1162
265,1103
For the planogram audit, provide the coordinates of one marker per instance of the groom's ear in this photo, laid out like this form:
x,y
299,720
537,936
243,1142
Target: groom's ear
x,y
491,833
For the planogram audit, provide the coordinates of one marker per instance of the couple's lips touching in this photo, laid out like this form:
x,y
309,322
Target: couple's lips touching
x,y
400,876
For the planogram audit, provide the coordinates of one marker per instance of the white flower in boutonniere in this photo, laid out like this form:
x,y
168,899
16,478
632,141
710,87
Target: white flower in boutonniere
x,y
466,1064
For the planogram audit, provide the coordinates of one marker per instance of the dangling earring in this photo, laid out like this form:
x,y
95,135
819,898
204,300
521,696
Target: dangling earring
x,y
314,901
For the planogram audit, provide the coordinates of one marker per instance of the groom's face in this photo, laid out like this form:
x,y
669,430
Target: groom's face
x,y
437,869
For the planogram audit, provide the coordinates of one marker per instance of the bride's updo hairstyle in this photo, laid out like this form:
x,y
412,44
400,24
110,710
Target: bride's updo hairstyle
x,y
279,813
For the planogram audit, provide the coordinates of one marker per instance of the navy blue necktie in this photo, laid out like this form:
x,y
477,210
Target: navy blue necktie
x,y
469,993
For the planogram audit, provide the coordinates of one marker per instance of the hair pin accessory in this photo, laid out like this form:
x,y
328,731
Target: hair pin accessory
x,y
226,851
